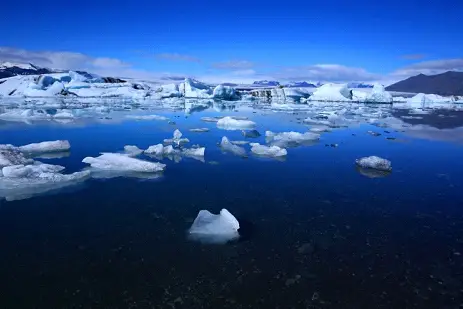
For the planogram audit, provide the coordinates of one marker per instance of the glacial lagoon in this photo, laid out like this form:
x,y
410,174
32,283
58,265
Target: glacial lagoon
x,y
316,230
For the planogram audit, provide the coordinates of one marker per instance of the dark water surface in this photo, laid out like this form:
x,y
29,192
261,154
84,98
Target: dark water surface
x,y
318,234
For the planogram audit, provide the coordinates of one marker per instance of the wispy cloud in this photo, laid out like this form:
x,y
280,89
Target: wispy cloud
x,y
413,56
177,57
233,65
430,67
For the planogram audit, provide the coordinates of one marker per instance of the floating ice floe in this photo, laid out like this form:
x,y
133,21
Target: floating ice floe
x,y
210,119
331,92
24,181
132,151
320,129
290,139
49,146
64,115
240,142
159,151
199,130
374,162
10,155
194,152
229,123
177,139
147,117
21,115
227,146
266,151
123,163
214,229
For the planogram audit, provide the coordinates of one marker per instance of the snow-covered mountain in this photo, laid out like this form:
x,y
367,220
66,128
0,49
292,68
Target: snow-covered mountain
x,y
267,83
9,69
301,84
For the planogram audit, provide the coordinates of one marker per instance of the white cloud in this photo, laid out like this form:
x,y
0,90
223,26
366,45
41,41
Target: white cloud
x,y
430,67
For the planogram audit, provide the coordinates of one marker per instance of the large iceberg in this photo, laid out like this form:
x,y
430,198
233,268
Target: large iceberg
x,y
422,100
378,95
291,139
225,93
214,229
227,146
195,89
374,162
266,151
123,163
229,123
49,146
332,92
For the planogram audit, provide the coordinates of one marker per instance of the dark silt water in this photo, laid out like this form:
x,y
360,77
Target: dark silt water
x,y
316,233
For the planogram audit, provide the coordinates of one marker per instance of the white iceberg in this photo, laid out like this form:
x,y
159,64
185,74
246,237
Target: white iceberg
x,y
378,95
10,155
214,229
49,146
422,100
195,89
227,146
290,139
157,150
266,151
320,129
195,152
331,92
199,130
229,123
147,117
123,163
225,93
132,151
64,115
177,139
210,119
25,181
374,162
240,142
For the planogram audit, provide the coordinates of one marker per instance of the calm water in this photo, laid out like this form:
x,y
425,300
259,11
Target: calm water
x,y
318,234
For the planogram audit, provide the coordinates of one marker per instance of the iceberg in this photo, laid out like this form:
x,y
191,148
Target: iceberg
x,y
199,130
195,89
147,117
214,229
265,151
50,146
290,139
10,155
229,123
27,114
195,152
422,100
177,139
210,119
225,93
156,150
24,181
320,129
123,163
374,162
227,146
240,142
332,92
378,95
132,151
63,115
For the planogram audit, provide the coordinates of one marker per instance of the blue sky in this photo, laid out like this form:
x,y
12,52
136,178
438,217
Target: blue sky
x,y
323,40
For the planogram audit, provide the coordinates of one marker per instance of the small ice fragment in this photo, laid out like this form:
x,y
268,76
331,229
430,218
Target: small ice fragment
x,y
51,146
228,123
227,146
374,162
214,229
194,152
320,129
132,151
240,142
251,134
156,150
199,130
122,162
147,117
177,139
289,139
210,119
273,151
